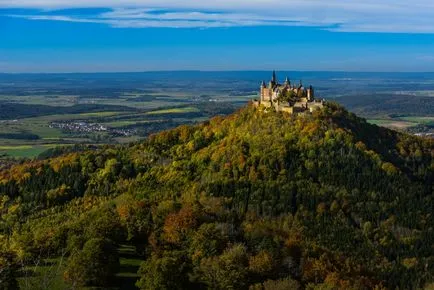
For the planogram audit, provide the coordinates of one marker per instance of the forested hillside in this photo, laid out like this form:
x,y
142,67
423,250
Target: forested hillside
x,y
255,200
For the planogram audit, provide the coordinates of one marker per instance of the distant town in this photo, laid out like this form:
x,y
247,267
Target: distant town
x,y
84,127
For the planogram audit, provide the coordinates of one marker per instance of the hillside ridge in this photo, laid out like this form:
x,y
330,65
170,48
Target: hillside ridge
x,y
254,200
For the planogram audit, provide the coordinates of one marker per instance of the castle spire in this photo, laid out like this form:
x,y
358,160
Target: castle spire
x,y
287,82
274,79
263,85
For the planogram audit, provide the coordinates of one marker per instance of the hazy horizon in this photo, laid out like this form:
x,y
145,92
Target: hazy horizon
x,y
212,71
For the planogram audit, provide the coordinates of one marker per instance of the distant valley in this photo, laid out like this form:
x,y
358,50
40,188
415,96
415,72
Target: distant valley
x,y
39,112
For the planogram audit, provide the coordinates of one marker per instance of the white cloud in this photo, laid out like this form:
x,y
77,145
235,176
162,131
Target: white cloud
x,y
338,15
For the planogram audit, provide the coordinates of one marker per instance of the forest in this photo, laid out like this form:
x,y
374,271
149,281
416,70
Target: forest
x,y
256,200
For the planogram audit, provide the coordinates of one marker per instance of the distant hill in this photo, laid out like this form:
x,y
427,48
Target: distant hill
x,y
255,200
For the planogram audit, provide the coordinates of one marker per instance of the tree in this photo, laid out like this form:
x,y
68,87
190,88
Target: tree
x,y
227,271
282,284
8,271
95,265
288,96
165,272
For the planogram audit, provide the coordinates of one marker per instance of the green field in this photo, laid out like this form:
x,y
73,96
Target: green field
x,y
420,120
175,111
393,123
45,274
27,151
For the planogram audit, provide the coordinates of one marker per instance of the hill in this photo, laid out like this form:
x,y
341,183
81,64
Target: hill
x,y
255,200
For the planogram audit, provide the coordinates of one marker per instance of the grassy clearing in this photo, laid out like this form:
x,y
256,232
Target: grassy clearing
x,y
175,111
27,151
18,147
420,120
46,275
130,264
38,126
100,114
393,124
33,151
118,124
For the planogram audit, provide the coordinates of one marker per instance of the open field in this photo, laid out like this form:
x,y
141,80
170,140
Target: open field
x,y
393,124
27,151
175,111
420,120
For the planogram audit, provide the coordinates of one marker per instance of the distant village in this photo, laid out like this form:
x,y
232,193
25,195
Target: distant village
x,y
84,127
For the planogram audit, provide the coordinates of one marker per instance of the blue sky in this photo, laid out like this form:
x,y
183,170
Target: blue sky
x,y
142,35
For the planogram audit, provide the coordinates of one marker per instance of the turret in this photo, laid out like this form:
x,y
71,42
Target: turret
x,y
263,86
287,82
310,94
300,85
274,79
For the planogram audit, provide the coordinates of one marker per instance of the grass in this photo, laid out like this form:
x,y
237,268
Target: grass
x,y
119,124
130,264
19,147
402,123
175,111
392,123
47,275
27,151
420,120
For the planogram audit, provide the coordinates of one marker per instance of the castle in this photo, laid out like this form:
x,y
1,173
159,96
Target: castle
x,y
287,97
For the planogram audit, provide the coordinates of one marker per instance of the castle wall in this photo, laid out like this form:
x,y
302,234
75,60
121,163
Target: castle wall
x,y
265,94
266,104
289,110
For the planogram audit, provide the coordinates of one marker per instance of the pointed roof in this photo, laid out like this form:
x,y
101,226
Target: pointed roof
x,y
263,84
274,78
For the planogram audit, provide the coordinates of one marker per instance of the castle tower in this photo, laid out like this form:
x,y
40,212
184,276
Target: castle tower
x,y
263,88
274,78
310,94
287,82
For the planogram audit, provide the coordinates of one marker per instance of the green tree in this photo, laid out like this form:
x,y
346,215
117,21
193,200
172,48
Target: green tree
x,y
227,271
95,265
165,272
8,271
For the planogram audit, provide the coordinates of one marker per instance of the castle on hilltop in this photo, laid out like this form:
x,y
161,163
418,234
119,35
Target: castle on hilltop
x,y
287,97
